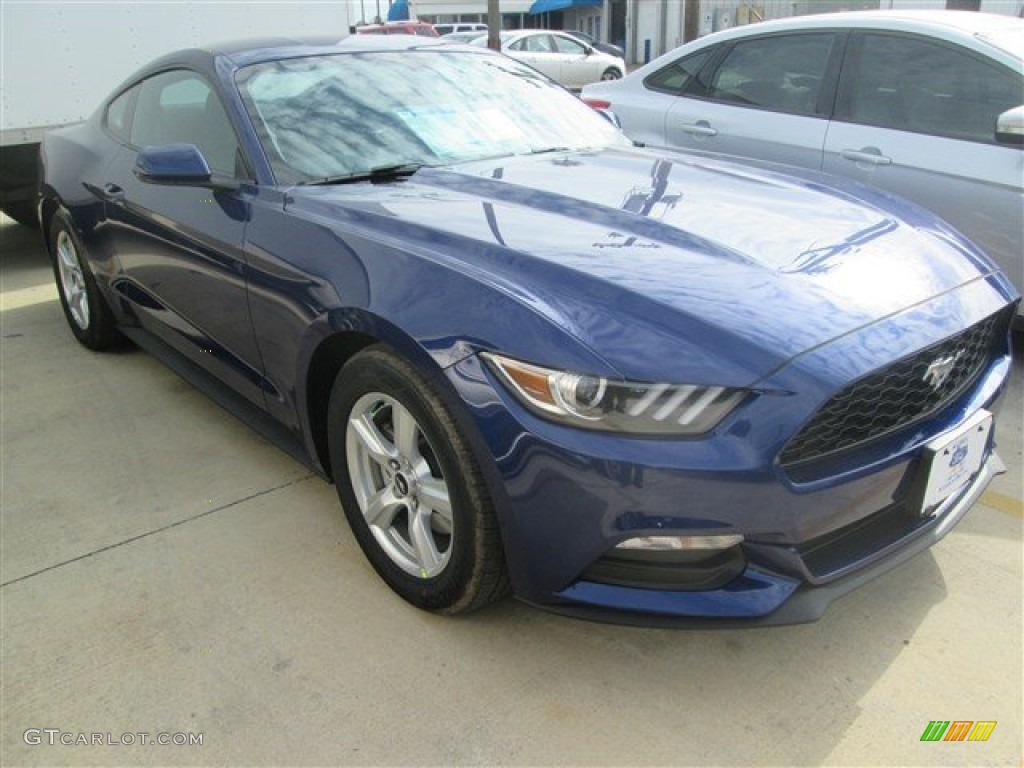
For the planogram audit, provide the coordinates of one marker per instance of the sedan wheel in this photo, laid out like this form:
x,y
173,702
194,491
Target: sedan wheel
x,y
611,74
411,488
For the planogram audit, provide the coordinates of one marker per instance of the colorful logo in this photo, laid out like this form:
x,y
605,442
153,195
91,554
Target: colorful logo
x,y
958,730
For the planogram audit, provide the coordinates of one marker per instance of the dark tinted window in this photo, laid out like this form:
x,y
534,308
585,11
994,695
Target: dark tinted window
x,y
782,73
119,113
679,74
915,85
181,107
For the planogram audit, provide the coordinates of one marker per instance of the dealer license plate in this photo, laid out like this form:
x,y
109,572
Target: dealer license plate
x,y
955,457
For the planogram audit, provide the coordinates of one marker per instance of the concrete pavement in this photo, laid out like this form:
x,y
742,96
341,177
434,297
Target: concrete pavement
x,y
167,571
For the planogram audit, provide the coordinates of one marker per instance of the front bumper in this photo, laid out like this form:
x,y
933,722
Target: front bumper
x,y
759,597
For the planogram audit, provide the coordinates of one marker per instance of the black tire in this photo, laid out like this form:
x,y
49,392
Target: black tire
x,y
611,74
464,535
85,309
23,212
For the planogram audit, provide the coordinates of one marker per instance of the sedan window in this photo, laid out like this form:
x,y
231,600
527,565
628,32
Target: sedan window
x,y
781,73
537,44
914,85
565,45
181,107
679,75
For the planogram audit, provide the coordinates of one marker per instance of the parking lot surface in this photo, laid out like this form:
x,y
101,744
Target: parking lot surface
x,y
166,571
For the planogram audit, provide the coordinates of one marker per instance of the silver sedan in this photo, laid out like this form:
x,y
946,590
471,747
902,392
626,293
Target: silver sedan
x,y
565,59
923,104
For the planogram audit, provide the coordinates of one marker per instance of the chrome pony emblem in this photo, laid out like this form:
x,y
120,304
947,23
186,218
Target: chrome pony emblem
x,y
940,369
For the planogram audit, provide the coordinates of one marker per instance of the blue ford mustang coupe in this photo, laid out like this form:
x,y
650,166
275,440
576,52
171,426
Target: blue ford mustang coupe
x,y
632,385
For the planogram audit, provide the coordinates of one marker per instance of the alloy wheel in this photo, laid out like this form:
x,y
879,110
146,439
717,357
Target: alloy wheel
x,y
72,280
399,486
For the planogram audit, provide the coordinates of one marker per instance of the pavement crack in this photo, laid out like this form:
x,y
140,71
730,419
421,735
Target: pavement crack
x,y
155,531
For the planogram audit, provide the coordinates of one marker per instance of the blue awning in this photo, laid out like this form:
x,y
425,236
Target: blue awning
x,y
543,6
399,11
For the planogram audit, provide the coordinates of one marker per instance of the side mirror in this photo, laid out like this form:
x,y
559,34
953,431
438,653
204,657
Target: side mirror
x,y
173,164
179,165
1010,126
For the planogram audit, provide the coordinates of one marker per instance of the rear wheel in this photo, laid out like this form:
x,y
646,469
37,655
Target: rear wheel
x,y
411,490
85,309
611,74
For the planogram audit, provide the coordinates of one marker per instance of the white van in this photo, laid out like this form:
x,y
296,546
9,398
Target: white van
x,y
460,26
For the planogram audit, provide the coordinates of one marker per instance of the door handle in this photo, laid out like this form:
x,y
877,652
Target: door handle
x,y
869,155
113,193
700,128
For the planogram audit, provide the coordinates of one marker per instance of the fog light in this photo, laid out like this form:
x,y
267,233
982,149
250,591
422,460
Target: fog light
x,y
663,543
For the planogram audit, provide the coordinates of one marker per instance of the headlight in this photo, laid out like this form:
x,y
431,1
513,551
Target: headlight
x,y
594,402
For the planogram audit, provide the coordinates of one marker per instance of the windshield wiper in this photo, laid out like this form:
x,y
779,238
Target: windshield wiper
x,y
380,173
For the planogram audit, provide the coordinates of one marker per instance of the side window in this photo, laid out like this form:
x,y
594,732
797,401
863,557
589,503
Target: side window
x,y
538,44
914,85
118,117
565,45
782,73
181,107
677,76
518,45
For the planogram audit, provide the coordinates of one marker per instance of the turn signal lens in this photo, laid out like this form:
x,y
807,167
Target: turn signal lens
x,y
595,402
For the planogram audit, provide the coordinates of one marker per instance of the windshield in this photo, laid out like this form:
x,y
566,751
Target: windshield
x,y
332,116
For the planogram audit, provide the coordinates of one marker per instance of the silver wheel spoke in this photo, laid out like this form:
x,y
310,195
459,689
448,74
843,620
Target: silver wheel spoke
x,y
381,508
423,539
406,430
433,494
376,445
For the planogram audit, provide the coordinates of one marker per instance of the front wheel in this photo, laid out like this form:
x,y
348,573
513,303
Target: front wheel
x,y
87,313
410,487
611,74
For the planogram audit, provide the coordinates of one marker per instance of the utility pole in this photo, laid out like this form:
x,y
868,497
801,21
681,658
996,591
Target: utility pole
x,y
493,25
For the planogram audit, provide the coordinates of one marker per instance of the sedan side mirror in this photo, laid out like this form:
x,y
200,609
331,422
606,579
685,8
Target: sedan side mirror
x,y
179,165
1010,126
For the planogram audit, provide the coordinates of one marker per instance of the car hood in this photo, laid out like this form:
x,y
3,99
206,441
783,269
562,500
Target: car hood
x,y
660,261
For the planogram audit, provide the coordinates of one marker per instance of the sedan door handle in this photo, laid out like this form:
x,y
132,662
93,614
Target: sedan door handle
x,y
700,128
869,155
113,193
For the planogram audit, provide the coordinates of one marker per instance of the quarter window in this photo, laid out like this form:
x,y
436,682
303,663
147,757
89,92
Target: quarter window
x,y
680,74
181,107
914,85
782,73
119,115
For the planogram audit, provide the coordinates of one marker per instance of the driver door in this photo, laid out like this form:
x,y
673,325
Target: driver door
x,y
181,247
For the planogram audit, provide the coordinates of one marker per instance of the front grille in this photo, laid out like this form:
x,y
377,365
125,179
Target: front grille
x,y
895,396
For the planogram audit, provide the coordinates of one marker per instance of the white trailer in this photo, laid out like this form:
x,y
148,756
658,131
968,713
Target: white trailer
x,y
58,60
